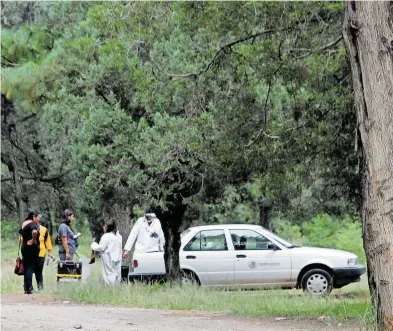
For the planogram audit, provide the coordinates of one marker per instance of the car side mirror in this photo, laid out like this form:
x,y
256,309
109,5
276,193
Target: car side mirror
x,y
272,247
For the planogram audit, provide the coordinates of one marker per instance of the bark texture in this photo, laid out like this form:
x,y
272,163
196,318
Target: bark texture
x,y
171,220
368,35
7,131
265,214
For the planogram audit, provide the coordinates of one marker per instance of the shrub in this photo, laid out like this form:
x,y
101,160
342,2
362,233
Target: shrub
x,y
320,230
349,238
9,229
326,231
289,232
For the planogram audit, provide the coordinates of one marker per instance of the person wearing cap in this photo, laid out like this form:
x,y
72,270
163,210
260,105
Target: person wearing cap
x,y
29,240
147,233
45,244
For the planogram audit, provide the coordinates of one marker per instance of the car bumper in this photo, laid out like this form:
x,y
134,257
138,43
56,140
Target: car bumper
x,y
347,275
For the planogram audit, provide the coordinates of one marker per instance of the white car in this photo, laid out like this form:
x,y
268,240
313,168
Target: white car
x,y
249,256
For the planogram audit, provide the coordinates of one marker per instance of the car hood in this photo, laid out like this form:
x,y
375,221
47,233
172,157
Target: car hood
x,y
323,252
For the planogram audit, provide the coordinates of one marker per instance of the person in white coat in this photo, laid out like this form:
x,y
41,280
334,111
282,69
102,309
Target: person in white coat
x,y
148,234
110,248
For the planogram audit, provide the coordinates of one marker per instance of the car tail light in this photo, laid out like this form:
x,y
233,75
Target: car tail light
x,y
135,263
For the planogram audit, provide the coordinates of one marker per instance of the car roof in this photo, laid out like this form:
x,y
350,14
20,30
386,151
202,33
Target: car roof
x,y
226,226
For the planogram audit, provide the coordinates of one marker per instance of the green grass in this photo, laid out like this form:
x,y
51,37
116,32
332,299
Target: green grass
x,y
350,304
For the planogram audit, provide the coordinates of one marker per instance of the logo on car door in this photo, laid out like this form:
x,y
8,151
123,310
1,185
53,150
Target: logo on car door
x,y
252,264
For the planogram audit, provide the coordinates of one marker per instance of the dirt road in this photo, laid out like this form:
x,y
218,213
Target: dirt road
x,y
45,313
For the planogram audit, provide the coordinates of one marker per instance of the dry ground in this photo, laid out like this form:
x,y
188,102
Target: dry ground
x,y
46,313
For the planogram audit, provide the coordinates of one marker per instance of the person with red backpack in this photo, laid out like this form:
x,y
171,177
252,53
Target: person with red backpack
x,y
29,239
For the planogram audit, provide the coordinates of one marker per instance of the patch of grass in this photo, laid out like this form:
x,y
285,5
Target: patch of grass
x,y
9,248
293,303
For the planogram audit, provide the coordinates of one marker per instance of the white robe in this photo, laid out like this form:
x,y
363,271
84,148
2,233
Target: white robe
x,y
110,247
149,238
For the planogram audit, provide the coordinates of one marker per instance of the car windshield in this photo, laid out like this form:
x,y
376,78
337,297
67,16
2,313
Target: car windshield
x,y
283,242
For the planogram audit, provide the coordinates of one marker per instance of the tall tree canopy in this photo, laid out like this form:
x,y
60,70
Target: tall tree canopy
x,y
204,110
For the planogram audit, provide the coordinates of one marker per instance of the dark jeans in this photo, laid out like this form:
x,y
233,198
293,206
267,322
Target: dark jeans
x,y
38,273
30,260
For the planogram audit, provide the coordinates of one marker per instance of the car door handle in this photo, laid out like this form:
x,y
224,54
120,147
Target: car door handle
x,y
190,257
241,256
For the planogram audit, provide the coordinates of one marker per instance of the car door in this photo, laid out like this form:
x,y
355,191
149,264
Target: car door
x,y
258,260
208,256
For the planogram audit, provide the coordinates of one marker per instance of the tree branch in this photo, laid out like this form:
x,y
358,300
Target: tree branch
x,y
218,53
47,179
320,49
41,179
9,62
261,132
331,44
265,111
26,118
23,119
9,204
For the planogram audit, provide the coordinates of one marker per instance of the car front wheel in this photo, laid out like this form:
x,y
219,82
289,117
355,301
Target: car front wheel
x,y
317,282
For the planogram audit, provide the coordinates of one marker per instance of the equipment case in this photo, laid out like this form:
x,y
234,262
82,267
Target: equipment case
x,y
125,270
69,270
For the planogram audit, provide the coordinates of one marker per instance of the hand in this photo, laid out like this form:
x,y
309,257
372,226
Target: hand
x,y
30,242
68,256
125,254
76,236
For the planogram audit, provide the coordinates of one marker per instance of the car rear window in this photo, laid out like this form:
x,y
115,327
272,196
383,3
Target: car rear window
x,y
208,240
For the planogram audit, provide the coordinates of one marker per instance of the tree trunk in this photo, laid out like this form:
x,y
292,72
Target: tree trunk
x,y
18,191
265,214
171,255
48,218
8,128
368,35
171,221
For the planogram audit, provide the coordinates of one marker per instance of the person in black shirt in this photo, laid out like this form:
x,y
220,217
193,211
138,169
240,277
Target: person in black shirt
x,y
30,249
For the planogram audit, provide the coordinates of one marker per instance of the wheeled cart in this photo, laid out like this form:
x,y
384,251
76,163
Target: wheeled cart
x,y
69,271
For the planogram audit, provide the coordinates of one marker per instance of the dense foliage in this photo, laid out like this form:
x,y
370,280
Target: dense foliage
x,y
325,231
201,109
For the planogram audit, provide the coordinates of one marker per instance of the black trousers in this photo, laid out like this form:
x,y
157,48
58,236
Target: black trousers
x,y
30,261
38,272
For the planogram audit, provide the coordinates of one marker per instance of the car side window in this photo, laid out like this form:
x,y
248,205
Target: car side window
x,y
209,240
249,240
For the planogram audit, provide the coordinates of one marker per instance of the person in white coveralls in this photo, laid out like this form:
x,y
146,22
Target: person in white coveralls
x,y
110,248
148,234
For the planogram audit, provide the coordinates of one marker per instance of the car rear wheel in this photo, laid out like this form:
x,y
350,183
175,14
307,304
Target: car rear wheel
x,y
189,278
317,282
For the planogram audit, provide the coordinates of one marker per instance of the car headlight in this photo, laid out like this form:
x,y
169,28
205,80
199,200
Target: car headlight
x,y
353,261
